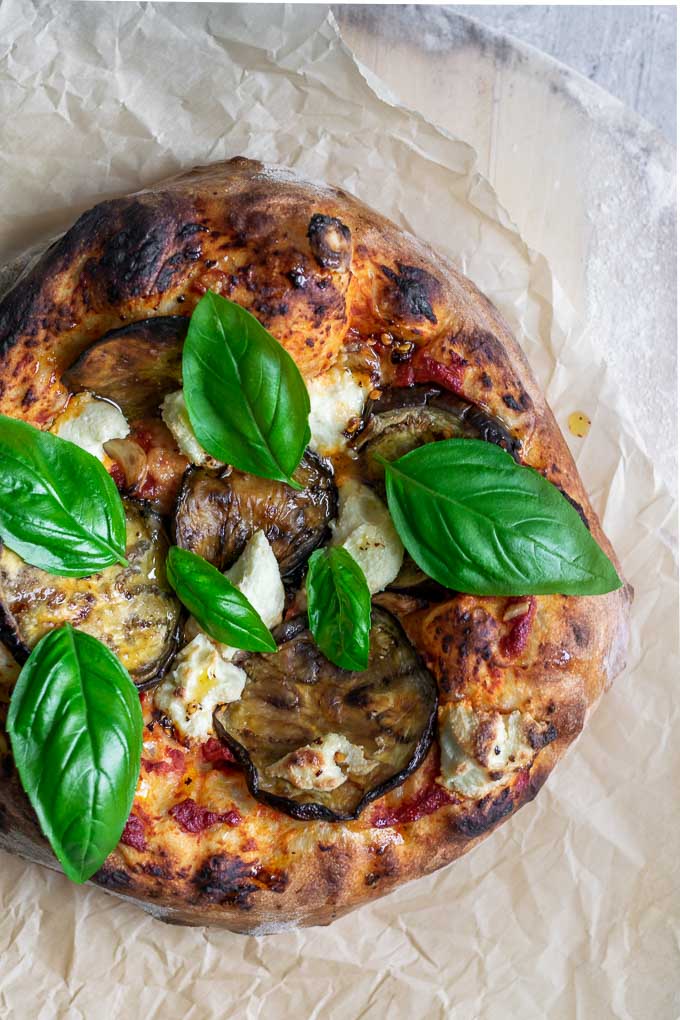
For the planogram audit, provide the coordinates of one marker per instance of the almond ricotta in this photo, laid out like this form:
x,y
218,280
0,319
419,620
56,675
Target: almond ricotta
x,y
322,765
335,397
365,529
89,423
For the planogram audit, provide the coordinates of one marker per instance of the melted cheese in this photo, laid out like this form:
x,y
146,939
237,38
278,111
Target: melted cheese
x,y
89,423
335,397
365,529
323,765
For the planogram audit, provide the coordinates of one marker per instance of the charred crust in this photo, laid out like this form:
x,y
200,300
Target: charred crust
x,y
539,737
486,815
330,241
112,878
576,505
581,633
224,878
415,290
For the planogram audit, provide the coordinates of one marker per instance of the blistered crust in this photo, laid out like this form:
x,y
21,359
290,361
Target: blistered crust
x,y
319,269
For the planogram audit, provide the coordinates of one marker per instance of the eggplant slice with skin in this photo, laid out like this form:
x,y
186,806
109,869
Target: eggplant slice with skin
x,y
406,417
135,366
218,512
131,609
295,703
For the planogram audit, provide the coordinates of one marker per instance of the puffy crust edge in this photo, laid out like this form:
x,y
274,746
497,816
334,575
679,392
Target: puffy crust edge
x,y
150,254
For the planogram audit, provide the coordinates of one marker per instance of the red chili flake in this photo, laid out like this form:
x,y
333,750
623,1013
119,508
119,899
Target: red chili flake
x,y
176,763
521,782
404,375
177,758
133,833
515,641
215,751
449,376
191,817
116,473
426,802
142,435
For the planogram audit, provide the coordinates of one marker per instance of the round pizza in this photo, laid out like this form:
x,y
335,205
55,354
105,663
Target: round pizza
x,y
301,593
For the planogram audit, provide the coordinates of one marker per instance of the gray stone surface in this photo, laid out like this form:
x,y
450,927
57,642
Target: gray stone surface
x,y
630,51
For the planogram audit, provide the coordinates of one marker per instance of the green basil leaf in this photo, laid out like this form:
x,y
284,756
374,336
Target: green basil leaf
x,y
339,607
59,508
220,608
75,724
247,402
477,522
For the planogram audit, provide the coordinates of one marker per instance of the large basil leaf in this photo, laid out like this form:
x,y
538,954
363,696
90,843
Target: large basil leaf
x,y
59,508
75,724
339,607
477,522
220,608
246,399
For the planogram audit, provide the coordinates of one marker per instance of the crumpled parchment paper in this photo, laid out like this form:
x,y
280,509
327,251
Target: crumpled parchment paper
x,y
572,908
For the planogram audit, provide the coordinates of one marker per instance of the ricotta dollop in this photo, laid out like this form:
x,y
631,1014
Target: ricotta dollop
x,y
90,422
322,765
365,529
335,398
203,675
175,415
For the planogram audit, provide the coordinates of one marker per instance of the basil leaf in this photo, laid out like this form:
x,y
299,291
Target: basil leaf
x,y
220,608
59,508
339,607
75,724
247,402
477,522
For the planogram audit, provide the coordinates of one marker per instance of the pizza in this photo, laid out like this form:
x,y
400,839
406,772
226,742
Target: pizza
x,y
277,788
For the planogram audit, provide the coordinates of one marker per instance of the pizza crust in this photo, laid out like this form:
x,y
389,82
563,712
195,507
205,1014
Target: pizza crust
x,y
319,270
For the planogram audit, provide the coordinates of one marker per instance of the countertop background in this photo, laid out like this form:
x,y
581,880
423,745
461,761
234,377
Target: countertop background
x,y
630,51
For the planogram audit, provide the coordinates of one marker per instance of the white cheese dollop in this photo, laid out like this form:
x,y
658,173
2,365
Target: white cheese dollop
x,y
365,529
203,675
480,751
201,679
335,397
256,574
89,423
175,415
324,764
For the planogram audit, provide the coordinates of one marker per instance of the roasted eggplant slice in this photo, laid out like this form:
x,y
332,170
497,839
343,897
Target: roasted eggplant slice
x,y
131,609
318,742
217,513
135,366
404,418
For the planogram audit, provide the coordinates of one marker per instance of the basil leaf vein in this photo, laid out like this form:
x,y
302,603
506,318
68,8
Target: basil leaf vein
x,y
339,607
75,725
477,522
59,508
247,402
220,608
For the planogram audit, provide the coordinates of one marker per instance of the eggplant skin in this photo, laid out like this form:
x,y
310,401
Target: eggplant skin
x,y
406,417
131,609
218,512
295,696
135,366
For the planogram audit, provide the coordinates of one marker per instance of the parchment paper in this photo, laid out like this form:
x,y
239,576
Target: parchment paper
x,y
572,908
